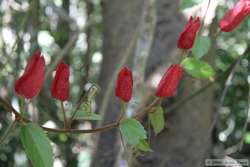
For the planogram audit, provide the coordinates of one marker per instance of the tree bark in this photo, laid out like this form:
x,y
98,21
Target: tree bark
x,y
169,23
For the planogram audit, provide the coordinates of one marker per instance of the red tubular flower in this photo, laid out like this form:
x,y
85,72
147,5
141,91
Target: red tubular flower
x,y
124,85
30,83
234,16
170,81
60,84
187,37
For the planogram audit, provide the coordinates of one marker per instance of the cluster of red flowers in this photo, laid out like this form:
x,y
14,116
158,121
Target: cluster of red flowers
x,y
30,83
171,79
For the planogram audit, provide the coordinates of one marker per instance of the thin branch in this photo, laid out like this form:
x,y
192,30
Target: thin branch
x,y
64,16
8,107
7,132
224,92
144,110
205,15
238,146
245,125
17,41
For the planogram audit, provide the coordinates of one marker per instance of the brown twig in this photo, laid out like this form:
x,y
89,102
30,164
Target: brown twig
x,y
20,118
144,110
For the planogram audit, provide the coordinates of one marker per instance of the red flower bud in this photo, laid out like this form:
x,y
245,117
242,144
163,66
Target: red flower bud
x,y
235,16
30,83
124,85
187,37
170,81
60,84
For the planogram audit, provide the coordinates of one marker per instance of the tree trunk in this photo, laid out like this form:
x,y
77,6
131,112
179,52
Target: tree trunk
x,y
185,141
120,23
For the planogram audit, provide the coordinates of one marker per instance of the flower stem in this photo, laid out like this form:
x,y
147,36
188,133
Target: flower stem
x,y
123,111
64,115
22,104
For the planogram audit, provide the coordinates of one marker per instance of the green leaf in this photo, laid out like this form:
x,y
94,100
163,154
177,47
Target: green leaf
x,y
201,46
132,131
143,146
188,3
82,115
156,117
197,68
36,145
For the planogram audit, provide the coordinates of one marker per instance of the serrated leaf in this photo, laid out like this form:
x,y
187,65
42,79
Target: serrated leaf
x,y
36,145
201,46
156,117
132,131
143,146
197,68
81,115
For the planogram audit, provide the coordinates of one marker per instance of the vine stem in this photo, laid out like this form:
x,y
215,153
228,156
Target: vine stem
x,y
7,132
78,131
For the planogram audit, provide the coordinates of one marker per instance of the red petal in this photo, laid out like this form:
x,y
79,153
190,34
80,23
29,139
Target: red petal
x,y
60,85
124,85
170,81
30,83
235,16
187,37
